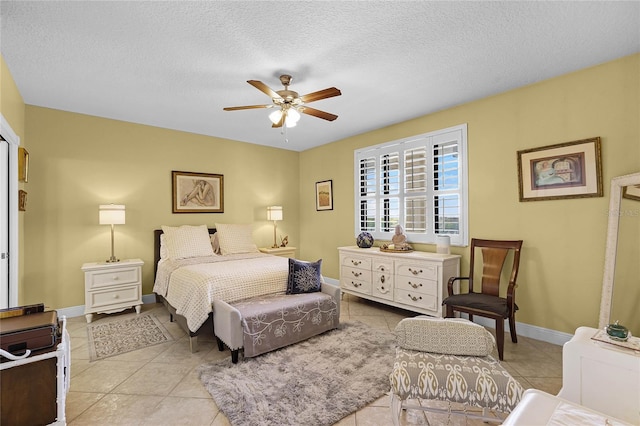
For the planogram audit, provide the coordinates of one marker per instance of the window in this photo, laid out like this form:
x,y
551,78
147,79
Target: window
x,y
418,182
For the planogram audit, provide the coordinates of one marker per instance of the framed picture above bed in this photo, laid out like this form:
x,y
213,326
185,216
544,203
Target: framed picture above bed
x,y
197,192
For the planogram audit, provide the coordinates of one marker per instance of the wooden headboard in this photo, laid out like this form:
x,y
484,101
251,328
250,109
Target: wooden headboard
x,y
156,248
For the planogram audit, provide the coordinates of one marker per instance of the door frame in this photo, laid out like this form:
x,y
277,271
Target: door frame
x,y
14,142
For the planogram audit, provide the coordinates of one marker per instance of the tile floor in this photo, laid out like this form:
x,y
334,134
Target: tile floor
x,y
158,385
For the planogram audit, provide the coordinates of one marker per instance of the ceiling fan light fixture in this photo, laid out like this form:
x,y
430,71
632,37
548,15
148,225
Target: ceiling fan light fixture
x,y
275,116
292,118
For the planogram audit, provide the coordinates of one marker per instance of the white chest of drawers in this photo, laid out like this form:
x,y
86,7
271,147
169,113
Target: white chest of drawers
x,y
112,287
415,281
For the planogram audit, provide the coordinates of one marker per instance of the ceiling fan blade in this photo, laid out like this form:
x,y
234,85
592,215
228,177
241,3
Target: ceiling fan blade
x,y
246,107
321,94
317,113
264,88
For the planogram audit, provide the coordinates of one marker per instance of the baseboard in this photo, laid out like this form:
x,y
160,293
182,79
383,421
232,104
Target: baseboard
x,y
525,330
78,311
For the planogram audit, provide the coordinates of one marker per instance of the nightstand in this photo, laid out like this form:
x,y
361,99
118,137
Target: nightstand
x,y
112,287
280,251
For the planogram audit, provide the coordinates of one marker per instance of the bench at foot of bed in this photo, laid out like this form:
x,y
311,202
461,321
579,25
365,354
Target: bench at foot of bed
x,y
262,324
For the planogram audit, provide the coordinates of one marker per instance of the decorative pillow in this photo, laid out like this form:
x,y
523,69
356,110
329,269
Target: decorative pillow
x,y
304,277
235,238
451,336
187,241
215,243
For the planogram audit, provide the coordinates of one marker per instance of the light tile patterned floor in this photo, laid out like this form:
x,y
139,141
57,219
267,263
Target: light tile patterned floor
x,y
158,385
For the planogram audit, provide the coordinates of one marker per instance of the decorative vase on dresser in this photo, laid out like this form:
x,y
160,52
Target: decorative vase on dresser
x,y
112,287
415,281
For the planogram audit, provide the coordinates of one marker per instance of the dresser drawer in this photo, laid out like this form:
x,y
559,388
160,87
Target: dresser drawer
x,y
419,300
382,285
355,273
353,284
127,295
356,262
417,270
417,285
102,279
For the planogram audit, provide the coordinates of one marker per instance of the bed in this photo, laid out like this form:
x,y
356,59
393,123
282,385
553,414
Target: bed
x,y
188,282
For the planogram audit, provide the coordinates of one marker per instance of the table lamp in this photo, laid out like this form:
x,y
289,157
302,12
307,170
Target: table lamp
x,y
112,214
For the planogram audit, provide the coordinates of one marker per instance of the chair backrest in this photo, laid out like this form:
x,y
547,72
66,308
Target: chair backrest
x,y
494,253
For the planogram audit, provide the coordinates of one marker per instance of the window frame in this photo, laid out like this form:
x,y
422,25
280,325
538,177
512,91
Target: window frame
x,y
455,134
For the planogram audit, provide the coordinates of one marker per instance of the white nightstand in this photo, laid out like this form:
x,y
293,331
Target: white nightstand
x,y
112,287
280,251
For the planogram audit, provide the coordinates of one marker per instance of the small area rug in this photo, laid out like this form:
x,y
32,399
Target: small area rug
x,y
119,336
316,382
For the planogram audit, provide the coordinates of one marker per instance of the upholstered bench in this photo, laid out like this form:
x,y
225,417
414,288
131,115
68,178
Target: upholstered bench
x,y
449,360
262,324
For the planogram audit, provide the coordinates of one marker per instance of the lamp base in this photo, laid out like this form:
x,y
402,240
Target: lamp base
x,y
112,260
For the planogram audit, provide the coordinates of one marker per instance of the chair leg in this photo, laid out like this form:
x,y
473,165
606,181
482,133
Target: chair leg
x,y
449,313
512,328
470,317
396,408
500,338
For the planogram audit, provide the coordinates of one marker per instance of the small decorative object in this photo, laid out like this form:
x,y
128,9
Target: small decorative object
x,y
284,241
364,240
631,192
391,248
617,332
324,195
443,244
197,192
565,170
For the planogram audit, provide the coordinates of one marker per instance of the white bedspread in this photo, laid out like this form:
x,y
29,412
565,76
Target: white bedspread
x,y
191,285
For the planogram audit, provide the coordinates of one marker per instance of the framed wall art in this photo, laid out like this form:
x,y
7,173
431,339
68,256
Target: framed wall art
x,y
22,200
23,165
631,192
197,192
324,195
566,170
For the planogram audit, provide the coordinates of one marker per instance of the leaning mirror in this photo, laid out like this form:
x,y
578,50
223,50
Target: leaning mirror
x,y
621,280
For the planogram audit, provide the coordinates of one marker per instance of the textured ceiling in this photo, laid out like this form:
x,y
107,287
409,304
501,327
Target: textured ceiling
x,y
176,64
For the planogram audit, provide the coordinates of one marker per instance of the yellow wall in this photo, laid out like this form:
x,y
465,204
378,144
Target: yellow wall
x,y
13,109
79,162
564,241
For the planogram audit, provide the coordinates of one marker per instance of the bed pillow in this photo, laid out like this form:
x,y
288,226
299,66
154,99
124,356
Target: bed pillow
x,y
451,336
164,253
187,241
235,238
304,277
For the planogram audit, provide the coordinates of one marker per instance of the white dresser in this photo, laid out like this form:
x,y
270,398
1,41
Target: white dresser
x,y
416,281
112,287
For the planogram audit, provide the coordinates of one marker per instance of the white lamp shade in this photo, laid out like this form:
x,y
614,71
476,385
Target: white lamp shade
x,y
111,214
275,116
274,213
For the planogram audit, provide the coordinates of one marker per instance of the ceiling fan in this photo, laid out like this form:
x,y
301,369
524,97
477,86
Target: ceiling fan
x,y
289,103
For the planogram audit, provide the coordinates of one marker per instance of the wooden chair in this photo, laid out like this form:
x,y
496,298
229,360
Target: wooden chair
x,y
487,302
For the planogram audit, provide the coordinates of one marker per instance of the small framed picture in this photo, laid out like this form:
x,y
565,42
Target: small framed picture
x,y
324,195
631,192
22,200
197,192
566,170
23,165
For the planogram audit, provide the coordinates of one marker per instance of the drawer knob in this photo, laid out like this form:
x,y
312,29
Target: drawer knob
x,y
356,262
116,278
356,284
115,296
415,272
382,268
382,279
415,299
414,285
356,274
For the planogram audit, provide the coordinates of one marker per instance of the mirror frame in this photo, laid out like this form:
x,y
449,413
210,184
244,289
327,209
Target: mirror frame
x,y
615,198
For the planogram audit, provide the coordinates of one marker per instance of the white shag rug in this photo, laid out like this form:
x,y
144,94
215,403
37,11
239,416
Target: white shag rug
x,y
316,382
115,337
